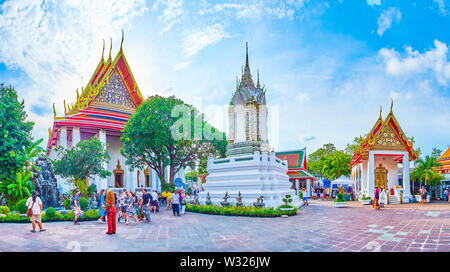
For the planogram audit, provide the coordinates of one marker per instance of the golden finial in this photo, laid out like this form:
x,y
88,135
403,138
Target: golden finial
x,y
54,111
237,85
65,108
380,111
78,95
110,49
246,54
392,104
257,83
121,42
103,51
49,132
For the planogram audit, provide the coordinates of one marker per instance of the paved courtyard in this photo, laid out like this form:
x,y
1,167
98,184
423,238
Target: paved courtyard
x,y
317,227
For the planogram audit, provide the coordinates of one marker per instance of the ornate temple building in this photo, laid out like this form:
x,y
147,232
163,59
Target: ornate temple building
x,y
297,169
102,109
250,168
377,160
247,116
444,169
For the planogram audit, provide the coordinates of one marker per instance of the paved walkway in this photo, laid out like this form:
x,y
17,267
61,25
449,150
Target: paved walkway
x,y
317,227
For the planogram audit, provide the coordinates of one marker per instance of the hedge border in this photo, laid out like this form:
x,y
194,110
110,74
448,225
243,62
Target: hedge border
x,y
242,215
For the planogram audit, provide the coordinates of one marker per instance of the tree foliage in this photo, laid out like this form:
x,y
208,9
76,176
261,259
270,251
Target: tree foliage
x,y
84,160
329,162
436,152
15,132
167,132
425,171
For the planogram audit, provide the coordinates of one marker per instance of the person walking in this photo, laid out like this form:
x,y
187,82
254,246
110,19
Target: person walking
x,y
131,210
305,197
35,204
154,201
376,198
111,212
102,203
424,195
176,203
448,195
123,205
146,200
382,200
183,201
76,206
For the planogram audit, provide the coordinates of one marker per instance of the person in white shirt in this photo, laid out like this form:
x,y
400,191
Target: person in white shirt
x,y
154,201
35,203
382,199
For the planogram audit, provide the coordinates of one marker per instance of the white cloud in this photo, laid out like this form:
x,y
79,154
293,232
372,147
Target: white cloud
x,y
374,2
202,37
171,13
181,65
441,4
411,63
386,18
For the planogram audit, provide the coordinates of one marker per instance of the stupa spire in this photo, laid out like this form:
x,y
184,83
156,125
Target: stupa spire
x,y
246,75
257,82
246,54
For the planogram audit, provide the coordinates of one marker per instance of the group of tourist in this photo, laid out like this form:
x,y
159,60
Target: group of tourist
x,y
379,198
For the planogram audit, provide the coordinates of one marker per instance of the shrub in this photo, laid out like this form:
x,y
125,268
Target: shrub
x,y
91,214
242,211
300,195
50,212
91,189
84,203
4,210
340,198
168,187
21,206
67,203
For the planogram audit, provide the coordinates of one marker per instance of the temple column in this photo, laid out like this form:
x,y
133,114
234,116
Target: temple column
x,y
63,137
406,181
76,136
103,184
371,174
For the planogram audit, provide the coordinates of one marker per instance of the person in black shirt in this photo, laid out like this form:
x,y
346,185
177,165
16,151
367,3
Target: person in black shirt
x,y
146,201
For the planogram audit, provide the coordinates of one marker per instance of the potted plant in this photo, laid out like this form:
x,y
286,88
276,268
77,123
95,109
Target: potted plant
x,y
339,202
287,207
365,200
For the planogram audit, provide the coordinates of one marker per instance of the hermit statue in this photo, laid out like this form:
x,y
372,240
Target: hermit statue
x,y
45,184
225,203
208,199
239,200
259,202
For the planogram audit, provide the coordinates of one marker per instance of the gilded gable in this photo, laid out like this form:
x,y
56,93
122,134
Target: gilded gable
x,y
115,92
388,139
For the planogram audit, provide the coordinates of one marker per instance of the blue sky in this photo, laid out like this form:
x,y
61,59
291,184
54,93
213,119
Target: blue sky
x,y
327,65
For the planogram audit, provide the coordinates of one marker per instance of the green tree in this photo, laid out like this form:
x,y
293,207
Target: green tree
x,y
425,172
436,152
17,188
167,132
15,132
350,149
330,162
84,160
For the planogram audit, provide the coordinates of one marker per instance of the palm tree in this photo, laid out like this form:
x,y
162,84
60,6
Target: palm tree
x,y
425,171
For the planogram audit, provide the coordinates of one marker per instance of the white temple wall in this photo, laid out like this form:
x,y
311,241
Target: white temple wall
x,y
239,123
392,167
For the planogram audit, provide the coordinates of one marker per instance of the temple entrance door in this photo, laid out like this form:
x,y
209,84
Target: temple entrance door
x,y
118,176
147,178
381,177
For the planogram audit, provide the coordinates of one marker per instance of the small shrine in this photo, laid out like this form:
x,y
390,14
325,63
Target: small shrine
x,y
382,154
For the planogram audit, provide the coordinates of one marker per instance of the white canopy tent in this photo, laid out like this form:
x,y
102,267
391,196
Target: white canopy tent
x,y
343,180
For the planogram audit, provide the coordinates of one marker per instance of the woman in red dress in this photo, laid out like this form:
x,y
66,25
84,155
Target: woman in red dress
x,y
111,212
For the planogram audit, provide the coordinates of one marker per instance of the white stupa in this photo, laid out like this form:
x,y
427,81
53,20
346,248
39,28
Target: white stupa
x,y
250,167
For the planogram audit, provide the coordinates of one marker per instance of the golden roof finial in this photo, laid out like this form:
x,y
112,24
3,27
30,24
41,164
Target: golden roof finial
x,y
380,111
110,49
237,85
65,108
78,95
392,104
49,132
54,111
103,51
121,42
246,54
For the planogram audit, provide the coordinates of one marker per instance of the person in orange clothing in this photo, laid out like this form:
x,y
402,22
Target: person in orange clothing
x,y
111,212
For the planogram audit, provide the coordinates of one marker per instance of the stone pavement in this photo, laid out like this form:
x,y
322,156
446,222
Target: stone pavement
x,y
318,227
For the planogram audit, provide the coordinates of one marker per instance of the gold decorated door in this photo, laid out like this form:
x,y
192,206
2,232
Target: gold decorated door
x,y
381,177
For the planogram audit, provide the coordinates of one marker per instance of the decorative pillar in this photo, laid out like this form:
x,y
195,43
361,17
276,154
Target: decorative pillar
x,y
76,136
63,137
406,182
371,174
103,183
